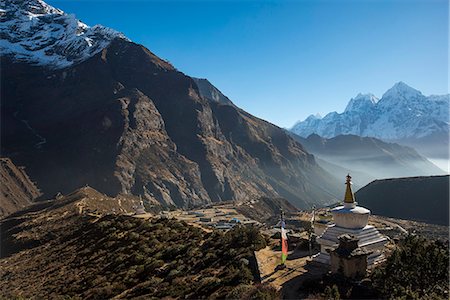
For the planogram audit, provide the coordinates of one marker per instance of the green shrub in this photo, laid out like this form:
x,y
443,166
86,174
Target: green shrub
x,y
417,269
332,292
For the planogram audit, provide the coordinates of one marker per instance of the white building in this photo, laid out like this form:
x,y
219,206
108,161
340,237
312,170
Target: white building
x,y
140,209
351,219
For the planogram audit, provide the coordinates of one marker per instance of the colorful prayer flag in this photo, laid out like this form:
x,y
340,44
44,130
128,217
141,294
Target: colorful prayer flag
x,y
284,243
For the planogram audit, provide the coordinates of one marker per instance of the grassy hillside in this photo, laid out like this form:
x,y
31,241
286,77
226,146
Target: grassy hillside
x,y
416,198
125,257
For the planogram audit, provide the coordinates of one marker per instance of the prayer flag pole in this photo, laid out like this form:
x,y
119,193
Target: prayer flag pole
x,y
284,242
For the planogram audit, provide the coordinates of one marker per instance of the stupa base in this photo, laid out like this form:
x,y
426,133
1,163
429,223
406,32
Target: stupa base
x,y
369,239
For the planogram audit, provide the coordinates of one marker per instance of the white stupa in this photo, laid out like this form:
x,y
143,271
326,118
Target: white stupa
x,y
351,219
140,209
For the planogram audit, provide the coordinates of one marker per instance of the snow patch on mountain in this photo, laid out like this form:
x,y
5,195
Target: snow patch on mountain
x,y
402,112
37,33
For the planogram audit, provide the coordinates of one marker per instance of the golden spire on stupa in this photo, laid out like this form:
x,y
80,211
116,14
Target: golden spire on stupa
x,y
348,191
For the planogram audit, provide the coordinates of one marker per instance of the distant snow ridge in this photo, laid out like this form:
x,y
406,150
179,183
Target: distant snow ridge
x,y
35,32
402,112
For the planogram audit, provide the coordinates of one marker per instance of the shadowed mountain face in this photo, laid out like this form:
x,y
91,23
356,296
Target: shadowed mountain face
x,y
367,158
416,198
17,191
125,121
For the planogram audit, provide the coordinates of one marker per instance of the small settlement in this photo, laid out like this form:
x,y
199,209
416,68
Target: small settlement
x,y
219,216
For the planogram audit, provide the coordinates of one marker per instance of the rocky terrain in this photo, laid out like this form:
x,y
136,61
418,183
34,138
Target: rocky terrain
x,y
415,198
210,92
125,121
367,158
17,191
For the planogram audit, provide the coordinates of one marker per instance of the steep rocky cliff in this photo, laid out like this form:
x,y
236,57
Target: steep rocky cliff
x,y
17,191
125,121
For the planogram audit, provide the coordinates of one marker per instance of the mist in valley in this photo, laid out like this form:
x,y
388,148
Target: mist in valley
x,y
366,168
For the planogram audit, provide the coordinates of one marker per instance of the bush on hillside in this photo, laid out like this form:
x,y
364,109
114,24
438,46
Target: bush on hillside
x,y
417,269
153,259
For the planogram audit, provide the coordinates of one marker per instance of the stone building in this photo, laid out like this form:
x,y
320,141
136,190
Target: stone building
x,y
348,258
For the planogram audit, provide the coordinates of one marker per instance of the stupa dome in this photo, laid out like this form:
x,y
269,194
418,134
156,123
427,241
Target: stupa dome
x,y
349,215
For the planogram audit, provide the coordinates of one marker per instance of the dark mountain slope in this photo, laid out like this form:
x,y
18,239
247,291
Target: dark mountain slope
x,y
17,191
125,121
95,131
417,198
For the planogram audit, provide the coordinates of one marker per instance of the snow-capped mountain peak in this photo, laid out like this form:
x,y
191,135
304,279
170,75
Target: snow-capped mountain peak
x,y
314,117
361,102
35,32
401,90
402,113
32,8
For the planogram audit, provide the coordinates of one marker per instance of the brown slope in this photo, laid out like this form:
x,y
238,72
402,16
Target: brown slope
x,y
126,121
17,191
40,222
266,210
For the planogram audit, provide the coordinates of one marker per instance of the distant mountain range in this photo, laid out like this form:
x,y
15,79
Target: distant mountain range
x,y
366,158
85,105
414,198
403,115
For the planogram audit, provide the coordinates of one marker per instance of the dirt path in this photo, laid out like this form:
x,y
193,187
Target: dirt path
x,y
290,279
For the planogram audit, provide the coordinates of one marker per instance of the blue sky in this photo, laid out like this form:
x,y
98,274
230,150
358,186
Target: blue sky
x,y
285,60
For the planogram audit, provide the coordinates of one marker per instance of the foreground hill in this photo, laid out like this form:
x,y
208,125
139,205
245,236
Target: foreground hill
x,y
416,198
17,191
368,158
39,222
83,256
122,120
